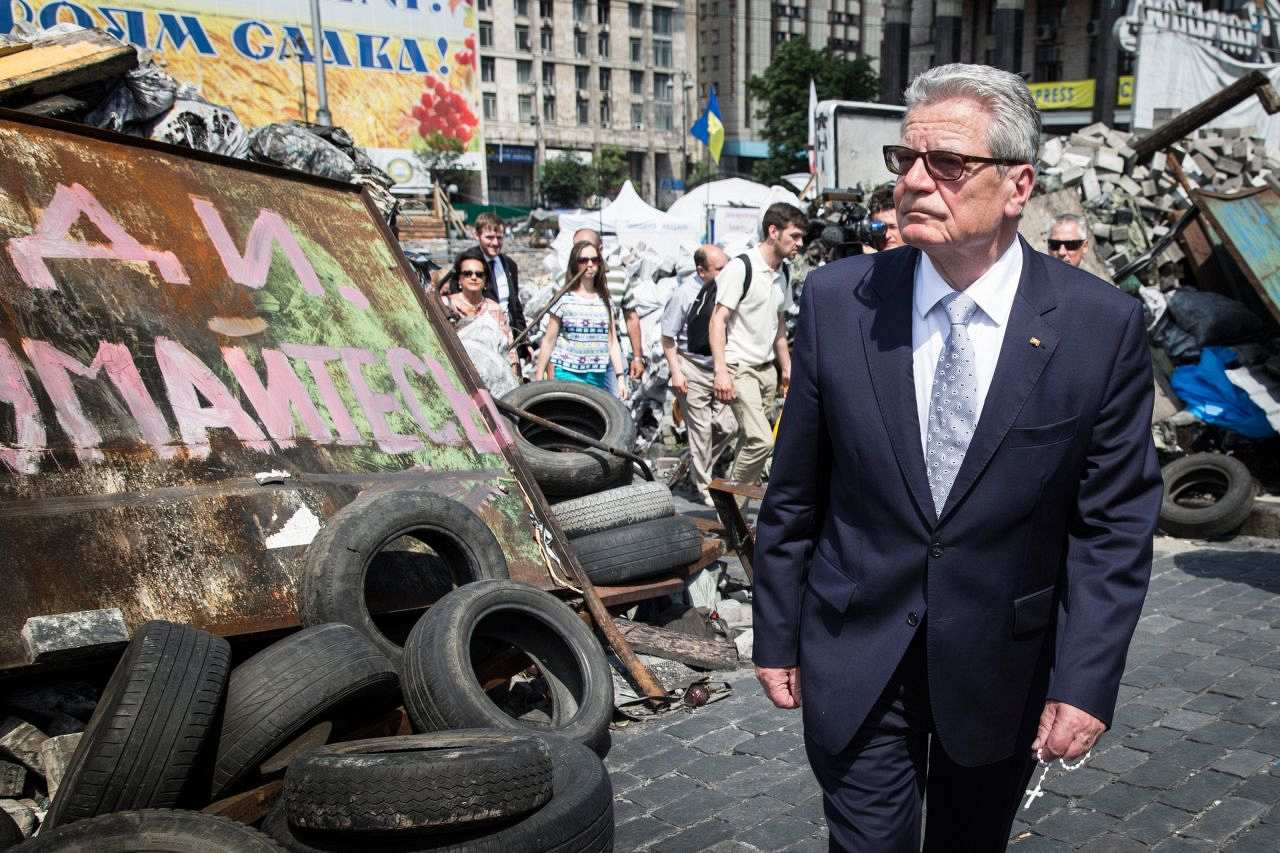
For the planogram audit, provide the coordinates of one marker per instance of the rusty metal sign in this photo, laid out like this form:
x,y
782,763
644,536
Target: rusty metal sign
x,y
1249,225
175,324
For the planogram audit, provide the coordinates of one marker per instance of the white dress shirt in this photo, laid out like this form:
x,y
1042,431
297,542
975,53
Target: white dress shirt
x,y
993,293
500,282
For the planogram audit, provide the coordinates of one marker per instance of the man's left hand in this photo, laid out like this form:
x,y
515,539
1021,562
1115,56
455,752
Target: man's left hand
x,y
1065,732
637,367
784,382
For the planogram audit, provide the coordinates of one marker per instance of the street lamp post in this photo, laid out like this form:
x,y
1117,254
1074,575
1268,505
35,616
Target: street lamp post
x,y
323,117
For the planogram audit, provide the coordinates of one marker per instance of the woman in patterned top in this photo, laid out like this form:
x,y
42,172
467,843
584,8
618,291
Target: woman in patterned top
x,y
581,341
471,275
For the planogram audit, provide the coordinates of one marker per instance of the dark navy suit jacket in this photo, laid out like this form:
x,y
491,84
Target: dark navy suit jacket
x,y
1033,574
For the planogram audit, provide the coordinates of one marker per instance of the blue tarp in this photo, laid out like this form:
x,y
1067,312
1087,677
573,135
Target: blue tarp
x,y
1210,396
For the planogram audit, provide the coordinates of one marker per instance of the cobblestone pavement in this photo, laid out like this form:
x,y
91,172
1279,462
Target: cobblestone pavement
x,y
1192,762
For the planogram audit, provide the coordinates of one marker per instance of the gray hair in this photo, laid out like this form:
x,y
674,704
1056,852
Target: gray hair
x,y
1082,224
1015,122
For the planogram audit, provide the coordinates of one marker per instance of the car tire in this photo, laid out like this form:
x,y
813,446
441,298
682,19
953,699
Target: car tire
x,y
614,508
1206,495
577,819
563,468
336,574
639,550
325,674
151,739
152,831
447,781
442,690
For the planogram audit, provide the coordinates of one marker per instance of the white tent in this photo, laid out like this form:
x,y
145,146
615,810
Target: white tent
x,y
746,200
632,222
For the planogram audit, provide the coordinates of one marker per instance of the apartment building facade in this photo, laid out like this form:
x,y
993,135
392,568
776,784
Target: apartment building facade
x,y
565,77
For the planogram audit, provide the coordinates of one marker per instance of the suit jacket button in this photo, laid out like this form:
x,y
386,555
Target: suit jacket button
x,y
935,551
912,619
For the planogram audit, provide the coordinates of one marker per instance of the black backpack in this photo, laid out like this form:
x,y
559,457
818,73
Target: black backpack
x,y
699,317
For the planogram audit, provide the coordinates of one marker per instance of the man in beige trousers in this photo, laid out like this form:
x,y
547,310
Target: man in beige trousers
x,y
748,336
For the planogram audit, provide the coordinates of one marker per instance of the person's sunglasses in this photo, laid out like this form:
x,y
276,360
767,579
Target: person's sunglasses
x,y
1069,245
941,165
585,261
471,274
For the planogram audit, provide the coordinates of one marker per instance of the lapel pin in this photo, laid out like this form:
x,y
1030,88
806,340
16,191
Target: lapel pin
x,y
1035,342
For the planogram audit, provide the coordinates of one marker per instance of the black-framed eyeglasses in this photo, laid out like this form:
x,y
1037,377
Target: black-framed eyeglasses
x,y
1069,245
585,261
941,165
471,274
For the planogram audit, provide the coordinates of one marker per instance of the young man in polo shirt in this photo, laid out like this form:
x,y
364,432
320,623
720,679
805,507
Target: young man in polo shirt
x,y
749,338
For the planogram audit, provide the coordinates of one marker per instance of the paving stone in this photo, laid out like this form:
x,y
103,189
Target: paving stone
x,y
1076,783
1237,685
1185,720
21,742
1154,823
770,721
756,780
625,810
55,756
749,812
1112,843
1144,676
778,833
1225,819
810,810
664,762
1250,649
1165,698
732,846
1159,772
1261,788
1119,799
1075,825
1259,838
1137,716
1253,712
12,777
1200,791
1118,759
1217,664
769,745
722,741
665,789
1223,733
1192,755
638,834
809,845
710,769
1190,680
1032,843
1211,703
1242,762
694,727
1183,845
688,811
1267,741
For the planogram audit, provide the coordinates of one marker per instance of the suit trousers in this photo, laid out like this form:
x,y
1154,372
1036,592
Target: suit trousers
x,y
703,416
757,388
874,790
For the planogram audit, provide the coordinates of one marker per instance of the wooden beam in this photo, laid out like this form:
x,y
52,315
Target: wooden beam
x,y
673,645
247,807
1188,121
64,62
621,594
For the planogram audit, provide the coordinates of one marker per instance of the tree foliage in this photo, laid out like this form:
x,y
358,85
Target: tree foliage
x,y
439,155
566,181
611,169
782,96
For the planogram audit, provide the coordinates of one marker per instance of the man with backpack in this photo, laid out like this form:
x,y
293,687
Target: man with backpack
x,y
748,338
691,372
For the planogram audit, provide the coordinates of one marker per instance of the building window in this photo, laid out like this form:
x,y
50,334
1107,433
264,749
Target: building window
x,y
715,62
635,15
606,79
524,71
663,118
637,51
547,39
661,21
605,114
579,11
525,105
662,52
549,75
637,82
522,8
482,5
490,106
581,77
486,34
584,112
488,73
549,110
546,8
603,45
602,12
637,116
522,39
580,44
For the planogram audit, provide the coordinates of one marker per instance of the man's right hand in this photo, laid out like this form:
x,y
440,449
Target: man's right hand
x,y
781,685
724,390
679,383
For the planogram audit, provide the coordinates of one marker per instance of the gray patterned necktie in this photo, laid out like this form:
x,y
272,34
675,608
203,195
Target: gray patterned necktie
x,y
953,405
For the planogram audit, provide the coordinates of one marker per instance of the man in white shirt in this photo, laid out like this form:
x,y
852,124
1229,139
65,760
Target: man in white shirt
x,y
692,374
749,337
503,285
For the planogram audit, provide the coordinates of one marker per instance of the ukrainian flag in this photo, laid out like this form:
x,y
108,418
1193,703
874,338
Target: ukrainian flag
x,y
708,129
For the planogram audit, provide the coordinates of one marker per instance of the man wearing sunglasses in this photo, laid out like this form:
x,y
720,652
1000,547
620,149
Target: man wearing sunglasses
x,y
1068,238
955,544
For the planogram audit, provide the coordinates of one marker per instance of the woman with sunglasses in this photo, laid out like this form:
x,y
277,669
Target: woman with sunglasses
x,y
581,340
470,276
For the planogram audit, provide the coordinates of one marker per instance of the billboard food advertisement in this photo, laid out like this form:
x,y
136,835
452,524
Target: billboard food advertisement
x,y
396,71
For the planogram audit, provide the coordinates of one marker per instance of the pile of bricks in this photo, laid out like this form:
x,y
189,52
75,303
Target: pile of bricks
x,y
1131,205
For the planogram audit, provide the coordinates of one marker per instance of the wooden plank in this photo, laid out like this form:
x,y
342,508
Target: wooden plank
x,y
54,105
742,490
63,62
673,645
248,807
7,47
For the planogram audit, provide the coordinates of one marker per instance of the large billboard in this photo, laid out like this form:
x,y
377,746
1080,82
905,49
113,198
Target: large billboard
x,y
396,70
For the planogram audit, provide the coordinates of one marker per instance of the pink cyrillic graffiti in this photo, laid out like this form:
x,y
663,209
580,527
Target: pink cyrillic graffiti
x,y
316,358
279,399
399,358
376,405
185,375
29,435
55,369
268,231
51,241
483,440
484,400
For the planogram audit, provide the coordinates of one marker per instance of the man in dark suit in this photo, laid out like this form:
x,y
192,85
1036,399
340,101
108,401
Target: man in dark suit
x,y
503,286
956,539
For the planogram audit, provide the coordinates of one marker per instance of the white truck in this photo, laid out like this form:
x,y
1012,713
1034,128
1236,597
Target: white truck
x,y
848,138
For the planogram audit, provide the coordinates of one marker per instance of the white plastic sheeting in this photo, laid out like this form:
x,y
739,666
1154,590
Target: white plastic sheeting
x,y
483,341
629,221
691,208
